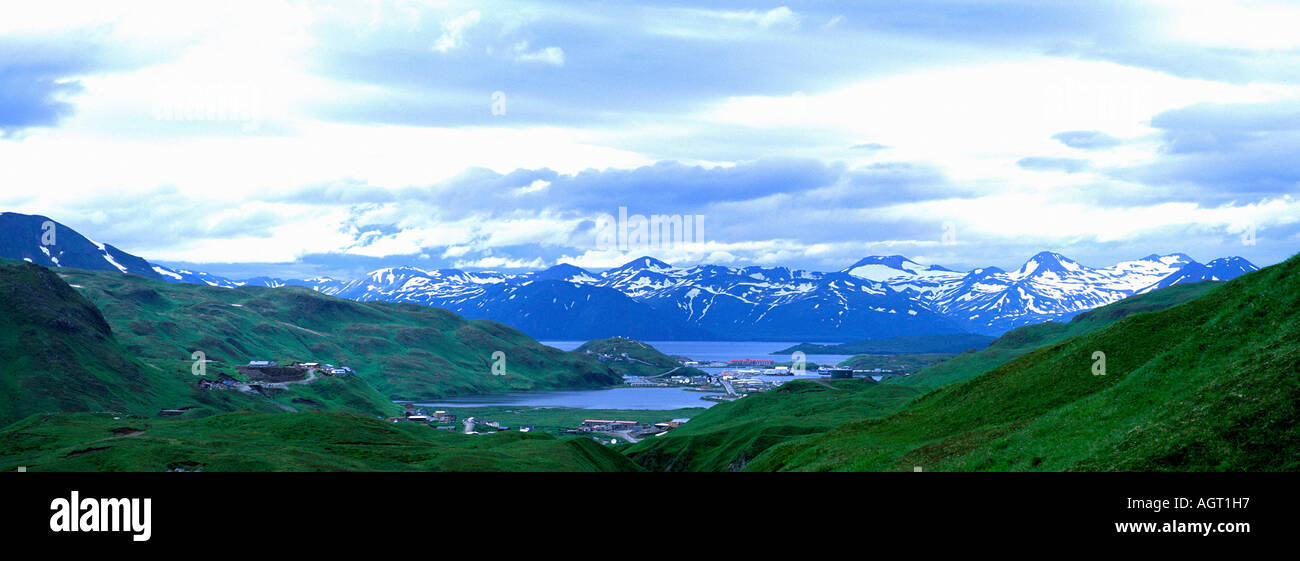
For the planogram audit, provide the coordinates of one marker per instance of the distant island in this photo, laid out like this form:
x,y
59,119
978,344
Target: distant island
x,y
910,344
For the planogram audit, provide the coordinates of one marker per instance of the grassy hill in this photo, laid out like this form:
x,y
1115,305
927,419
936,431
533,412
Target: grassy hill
x,y
61,354
406,351
901,362
247,441
728,436
1211,384
84,400
630,357
1021,340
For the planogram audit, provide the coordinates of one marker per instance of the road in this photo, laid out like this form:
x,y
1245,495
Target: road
x,y
625,435
727,386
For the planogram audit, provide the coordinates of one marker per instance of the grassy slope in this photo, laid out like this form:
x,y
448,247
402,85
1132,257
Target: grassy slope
x,y
1021,340
1211,384
246,441
642,358
59,354
902,362
726,436
403,350
729,434
62,355
553,419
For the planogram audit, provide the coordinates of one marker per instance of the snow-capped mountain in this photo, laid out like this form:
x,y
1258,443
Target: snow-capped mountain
x,y
42,241
879,296
1048,287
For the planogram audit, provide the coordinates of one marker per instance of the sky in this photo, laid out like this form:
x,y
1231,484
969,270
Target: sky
x,y
301,139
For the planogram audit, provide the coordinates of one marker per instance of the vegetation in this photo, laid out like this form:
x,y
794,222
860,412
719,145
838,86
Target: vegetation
x,y
247,441
1021,340
748,433
406,351
61,355
898,363
727,436
1210,384
630,357
554,419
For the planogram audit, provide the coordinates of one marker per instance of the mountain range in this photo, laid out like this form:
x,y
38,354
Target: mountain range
x,y
879,296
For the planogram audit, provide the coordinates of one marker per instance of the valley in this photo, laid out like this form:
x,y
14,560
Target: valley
x,y
109,370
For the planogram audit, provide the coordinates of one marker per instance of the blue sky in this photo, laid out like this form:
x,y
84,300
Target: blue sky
x,y
296,139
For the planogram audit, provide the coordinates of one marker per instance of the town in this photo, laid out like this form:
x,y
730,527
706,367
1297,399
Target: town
x,y
602,430
717,381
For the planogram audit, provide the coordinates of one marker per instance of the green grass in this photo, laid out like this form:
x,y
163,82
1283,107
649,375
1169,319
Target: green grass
x,y
902,362
1211,384
642,358
551,419
59,354
246,441
406,351
1019,341
728,435
748,433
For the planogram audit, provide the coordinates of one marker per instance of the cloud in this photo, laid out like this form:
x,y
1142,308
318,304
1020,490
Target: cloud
x,y
453,31
1067,165
34,97
869,146
553,56
1217,153
1087,140
776,17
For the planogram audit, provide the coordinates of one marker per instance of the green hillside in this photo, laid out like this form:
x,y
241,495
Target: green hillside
x,y
1021,340
1212,384
406,351
60,354
246,441
729,435
630,357
896,363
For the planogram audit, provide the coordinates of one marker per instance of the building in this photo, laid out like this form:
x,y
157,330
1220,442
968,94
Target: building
x,y
260,363
526,428
751,362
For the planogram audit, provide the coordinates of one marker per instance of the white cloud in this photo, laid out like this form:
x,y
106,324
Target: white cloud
x,y
553,56
453,31
500,263
1233,24
782,17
